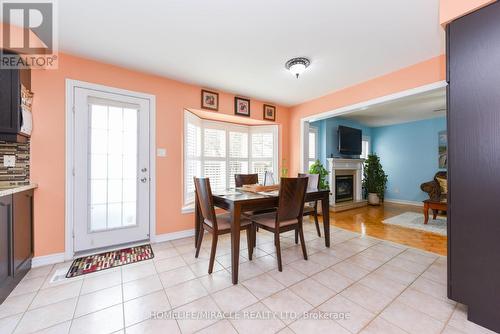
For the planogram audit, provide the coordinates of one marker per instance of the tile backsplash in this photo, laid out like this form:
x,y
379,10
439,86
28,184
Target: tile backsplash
x,y
20,174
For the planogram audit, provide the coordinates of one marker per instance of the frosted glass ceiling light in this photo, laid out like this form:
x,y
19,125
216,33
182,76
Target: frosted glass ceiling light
x,y
297,65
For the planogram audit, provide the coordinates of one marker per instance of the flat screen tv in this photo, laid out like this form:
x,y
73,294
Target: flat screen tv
x,y
349,140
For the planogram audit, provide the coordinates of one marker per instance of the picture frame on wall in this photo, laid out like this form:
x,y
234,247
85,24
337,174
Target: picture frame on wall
x,y
241,106
269,112
209,100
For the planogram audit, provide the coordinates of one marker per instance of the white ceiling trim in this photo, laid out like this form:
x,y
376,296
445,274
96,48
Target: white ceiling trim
x,y
370,103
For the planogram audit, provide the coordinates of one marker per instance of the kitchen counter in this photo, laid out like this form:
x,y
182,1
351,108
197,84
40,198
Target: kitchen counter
x,y
17,189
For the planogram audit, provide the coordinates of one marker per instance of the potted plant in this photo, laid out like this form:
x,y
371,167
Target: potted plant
x,y
375,180
318,168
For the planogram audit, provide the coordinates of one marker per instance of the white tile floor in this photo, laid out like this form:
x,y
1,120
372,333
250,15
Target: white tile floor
x,y
382,287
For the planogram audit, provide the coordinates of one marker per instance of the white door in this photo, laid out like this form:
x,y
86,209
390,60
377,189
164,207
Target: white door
x,y
111,169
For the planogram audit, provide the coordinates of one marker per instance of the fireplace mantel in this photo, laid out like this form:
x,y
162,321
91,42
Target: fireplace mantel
x,y
341,166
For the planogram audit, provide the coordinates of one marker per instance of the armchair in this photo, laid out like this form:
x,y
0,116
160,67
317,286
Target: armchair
x,y
435,189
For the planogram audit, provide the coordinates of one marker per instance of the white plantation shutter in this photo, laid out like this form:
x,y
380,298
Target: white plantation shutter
x,y
214,165
215,143
216,171
262,145
238,154
192,155
263,151
238,144
218,150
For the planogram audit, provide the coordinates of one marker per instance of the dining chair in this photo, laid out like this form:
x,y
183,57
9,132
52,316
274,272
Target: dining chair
x,y
242,179
216,224
311,209
288,215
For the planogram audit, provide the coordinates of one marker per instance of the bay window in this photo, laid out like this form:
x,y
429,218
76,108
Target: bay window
x,y
218,150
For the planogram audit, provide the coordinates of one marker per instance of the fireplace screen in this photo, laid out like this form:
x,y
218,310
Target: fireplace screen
x,y
344,188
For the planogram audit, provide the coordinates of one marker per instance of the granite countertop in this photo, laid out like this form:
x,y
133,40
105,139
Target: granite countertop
x,y
17,189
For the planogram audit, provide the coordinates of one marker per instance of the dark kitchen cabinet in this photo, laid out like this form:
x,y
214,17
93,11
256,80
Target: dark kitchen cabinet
x,y
16,239
10,103
22,248
5,259
473,51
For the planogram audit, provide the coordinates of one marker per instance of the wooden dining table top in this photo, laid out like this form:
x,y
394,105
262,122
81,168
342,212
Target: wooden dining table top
x,y
236,201
241,195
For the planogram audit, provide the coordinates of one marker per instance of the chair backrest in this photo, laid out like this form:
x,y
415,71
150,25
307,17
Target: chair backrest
x,y
269,178
205,199
291,198
241,179
313,181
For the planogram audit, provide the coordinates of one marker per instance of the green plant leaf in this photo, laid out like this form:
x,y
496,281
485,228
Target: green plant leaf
x,y
318,168
374,177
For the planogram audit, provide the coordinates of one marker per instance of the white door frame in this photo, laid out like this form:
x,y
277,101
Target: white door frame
x,y
304,122
70,156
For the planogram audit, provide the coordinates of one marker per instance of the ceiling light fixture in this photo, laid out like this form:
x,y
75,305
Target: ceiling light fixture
x,y
297,65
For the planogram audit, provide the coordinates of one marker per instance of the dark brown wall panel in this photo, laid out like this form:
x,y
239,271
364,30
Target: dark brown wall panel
x,y
474,163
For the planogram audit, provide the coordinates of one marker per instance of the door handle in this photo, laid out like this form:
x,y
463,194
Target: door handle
x,y
144,170
144,179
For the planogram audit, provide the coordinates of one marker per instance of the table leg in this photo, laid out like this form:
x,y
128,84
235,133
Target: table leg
x,y
325,208
197,222
235,241
426,213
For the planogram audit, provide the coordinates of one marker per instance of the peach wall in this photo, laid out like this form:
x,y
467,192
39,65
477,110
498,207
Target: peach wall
x,y
48,141
427,72
453,9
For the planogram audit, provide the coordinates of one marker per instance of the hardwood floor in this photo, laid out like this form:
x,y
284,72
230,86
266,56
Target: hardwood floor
x,y
368,221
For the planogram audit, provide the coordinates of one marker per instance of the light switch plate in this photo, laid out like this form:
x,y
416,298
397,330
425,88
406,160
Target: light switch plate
x,y
161,152
9,161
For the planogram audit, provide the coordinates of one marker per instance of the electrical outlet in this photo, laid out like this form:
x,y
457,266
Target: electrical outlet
x,y
396,190
9,161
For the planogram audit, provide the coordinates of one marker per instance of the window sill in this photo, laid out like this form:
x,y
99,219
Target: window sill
x,y
187,209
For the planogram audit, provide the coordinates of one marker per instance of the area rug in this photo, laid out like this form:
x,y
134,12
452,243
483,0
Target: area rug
x,y
415,221
92,263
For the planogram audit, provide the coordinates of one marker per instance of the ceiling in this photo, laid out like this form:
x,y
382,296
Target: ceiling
x,y
408,109
241,46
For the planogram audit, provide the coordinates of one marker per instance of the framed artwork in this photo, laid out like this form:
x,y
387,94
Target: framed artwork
x,y
443,150
241,106
209,100
269,112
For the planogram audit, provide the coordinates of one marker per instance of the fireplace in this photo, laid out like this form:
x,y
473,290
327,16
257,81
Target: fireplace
x,y
344,188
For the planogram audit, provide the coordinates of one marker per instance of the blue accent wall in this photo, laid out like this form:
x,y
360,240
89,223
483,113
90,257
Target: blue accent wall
x,y
409,155
328,137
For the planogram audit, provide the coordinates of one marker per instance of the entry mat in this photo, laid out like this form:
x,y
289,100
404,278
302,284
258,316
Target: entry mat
x,y
92,263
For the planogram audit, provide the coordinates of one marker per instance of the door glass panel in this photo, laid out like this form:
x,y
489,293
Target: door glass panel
x,y
98,216
113,167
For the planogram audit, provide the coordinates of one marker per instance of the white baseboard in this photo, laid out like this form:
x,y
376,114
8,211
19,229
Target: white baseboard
x,y
60,257
173,236
45,260
401,201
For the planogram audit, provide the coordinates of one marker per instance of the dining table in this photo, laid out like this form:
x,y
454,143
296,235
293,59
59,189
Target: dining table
x,y
237,201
